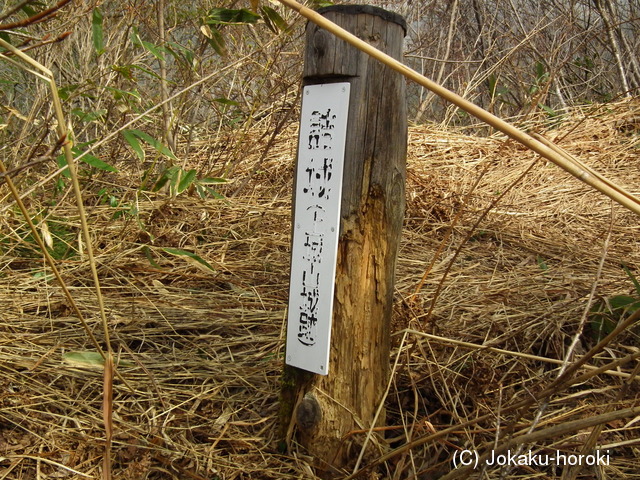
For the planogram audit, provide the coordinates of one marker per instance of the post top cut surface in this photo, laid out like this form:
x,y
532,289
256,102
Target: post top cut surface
x,y
368,9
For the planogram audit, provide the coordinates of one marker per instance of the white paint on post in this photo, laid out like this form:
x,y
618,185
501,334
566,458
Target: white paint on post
x,y
321,146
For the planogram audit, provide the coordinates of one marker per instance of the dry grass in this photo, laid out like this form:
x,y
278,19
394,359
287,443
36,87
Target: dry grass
x,y
201,351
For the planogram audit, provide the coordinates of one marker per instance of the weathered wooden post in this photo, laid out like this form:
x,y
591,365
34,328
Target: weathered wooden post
x,y
326,407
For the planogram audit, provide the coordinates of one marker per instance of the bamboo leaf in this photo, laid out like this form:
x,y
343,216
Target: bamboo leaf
x,y
175,175
162,149
273,20
62,162
212,180
636,284
214,194
624,302
86,158
186,181
96,162
123,94
226,101
214,39
156,51
228,16
28,10
133,142
148,254
148,72
161,182
96,27
88,359
191,255
125,71
181,54
550,111
89,117
84,359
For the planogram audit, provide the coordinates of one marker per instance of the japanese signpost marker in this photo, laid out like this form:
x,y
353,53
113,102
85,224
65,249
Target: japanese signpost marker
x,y
316,224
348,215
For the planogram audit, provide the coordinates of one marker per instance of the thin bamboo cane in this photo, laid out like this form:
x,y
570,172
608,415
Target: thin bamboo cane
x,y
553,154
63,133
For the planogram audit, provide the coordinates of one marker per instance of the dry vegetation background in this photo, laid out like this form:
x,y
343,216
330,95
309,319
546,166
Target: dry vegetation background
x,y
188,130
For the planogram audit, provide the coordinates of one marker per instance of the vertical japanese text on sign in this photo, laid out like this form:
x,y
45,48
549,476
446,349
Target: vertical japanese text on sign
x,y
316,224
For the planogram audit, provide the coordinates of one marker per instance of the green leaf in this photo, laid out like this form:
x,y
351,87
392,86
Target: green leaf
x,y
5,36
147,253
212,180
83,359
65,92
493,83
213,193
203,192
636,284
160,148
181,53
133,142
123,94
550,111
90,159
214,39
88,117
125,71
228,16
96,27
156,51
186,181
171,175
541,263
61,160
88,359
96,163
161,182
624,302
540,73
44,276
174,174
28,10
226,101
601,326
200,190
184,253
320,3
148,72
86,158
273,20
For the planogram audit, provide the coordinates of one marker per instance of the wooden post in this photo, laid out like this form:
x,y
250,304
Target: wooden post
x,y
326,408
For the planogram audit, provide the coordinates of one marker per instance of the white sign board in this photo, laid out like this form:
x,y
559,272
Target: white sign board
x,y
316,224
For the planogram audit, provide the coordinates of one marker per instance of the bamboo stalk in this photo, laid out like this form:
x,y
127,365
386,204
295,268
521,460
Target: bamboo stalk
x,y
63,133
578,170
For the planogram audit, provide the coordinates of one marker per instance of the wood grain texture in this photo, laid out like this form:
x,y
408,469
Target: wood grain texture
x,y
372,211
